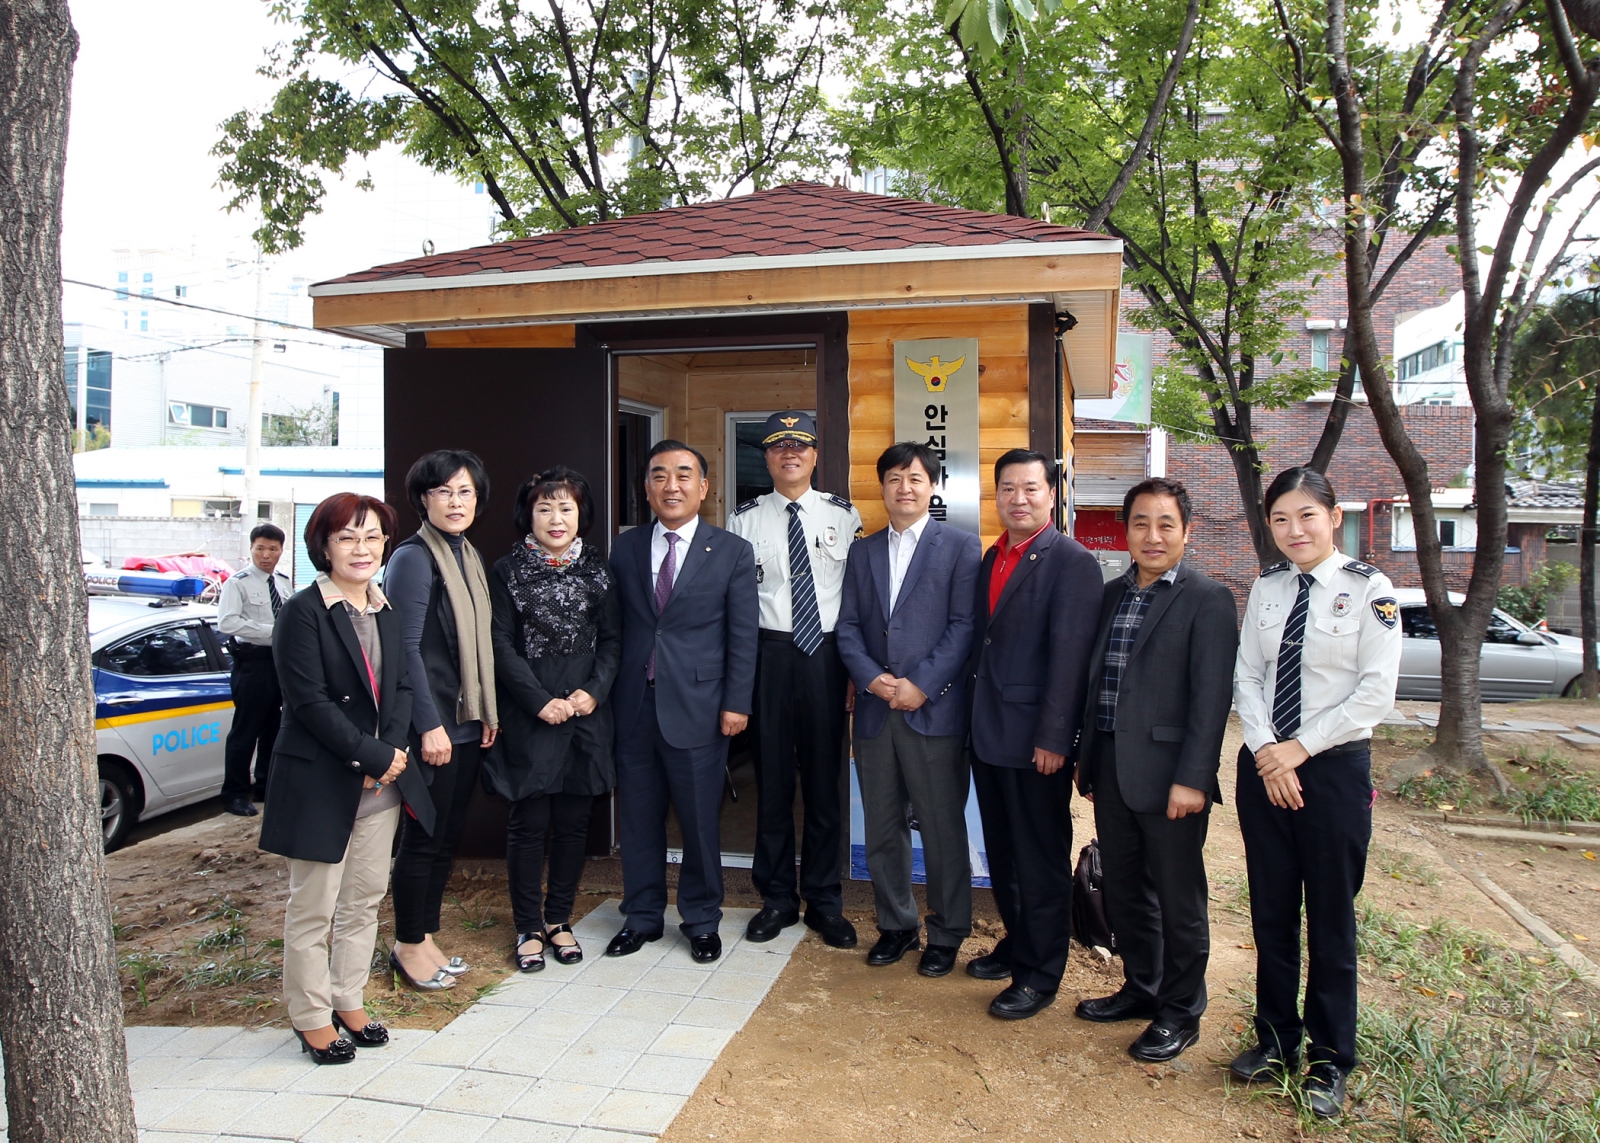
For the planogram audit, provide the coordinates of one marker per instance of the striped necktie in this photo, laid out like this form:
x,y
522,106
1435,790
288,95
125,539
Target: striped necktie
x,y
1286,693
272,590
804,620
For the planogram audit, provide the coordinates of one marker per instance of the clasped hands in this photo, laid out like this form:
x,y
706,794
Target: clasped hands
x,y
900,694
391,775
558,710
1276,762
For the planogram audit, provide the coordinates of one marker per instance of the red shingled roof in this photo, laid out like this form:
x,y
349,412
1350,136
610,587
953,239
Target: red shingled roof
x,y
797,218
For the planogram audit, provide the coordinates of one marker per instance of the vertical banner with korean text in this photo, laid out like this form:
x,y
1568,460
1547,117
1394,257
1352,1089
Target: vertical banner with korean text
x,y
936,401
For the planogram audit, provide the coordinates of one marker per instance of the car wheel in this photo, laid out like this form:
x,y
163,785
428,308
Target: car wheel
x,y
1574,689
119,802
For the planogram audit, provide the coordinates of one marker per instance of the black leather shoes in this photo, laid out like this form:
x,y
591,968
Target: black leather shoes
x,y
1264,1062
1158,1044
629,941
989,967
892,945
769,923
374,1035
835,931
1324,1091
1019,1002
937,960
705,948
1118,1006
341,1051
241,807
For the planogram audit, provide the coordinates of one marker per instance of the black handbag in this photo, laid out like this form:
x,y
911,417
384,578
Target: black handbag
x,y
1090,925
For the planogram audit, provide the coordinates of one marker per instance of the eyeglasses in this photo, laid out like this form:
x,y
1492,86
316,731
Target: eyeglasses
x,y
443,495
348,542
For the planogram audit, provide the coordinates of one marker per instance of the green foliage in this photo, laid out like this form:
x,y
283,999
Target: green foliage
x,y
1555,364
91,440
1528,602
1564,797
1440,788
300,425
567,114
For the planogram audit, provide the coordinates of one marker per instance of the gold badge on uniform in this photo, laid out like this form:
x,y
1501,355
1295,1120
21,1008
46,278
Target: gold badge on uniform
x,y
1341,603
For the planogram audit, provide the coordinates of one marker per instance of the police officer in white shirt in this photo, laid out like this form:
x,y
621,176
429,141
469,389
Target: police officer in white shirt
x,y
245,613
1319,658
801,539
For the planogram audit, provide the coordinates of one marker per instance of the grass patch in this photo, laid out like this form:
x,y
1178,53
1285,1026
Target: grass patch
x,y
474,921
1564,797
143,967
1439,789
228,971
1401,866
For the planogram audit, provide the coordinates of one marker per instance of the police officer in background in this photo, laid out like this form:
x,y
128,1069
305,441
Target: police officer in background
x,y
245,613
801,538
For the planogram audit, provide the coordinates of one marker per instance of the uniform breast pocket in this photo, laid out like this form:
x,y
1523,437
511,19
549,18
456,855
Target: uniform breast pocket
x,y
1335,643
829,566
769,567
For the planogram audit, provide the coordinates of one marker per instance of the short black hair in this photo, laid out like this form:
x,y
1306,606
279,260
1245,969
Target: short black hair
x,y
902,453
437,467
1157,486
551,484
1025,456
265,531
1304,479
675,446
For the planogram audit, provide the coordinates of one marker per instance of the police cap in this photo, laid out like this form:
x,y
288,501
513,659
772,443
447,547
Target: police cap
x,y
789,425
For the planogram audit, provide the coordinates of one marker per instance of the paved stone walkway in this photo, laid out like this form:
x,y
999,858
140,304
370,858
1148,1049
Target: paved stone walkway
x,y
604,1052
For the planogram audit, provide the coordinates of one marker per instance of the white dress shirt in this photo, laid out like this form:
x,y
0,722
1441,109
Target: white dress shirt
x,y
902,547
830,525
1349,661
658,547
244,607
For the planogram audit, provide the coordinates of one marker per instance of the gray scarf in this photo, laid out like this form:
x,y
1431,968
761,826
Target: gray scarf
x,y
469,599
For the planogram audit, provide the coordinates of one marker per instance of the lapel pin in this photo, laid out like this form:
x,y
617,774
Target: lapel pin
x,y
1033,555
708,547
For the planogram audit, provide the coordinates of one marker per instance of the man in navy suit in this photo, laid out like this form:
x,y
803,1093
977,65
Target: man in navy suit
x,y
689,629
1038,610
904,632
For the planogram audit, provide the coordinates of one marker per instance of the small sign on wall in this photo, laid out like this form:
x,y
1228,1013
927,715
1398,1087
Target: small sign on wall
x,y
936,402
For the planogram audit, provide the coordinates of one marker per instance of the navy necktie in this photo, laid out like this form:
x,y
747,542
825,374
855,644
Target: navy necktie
x,y
1286,693
804,620
272,590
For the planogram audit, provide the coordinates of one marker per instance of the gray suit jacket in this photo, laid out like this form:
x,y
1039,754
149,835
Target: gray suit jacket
x,y
925,639
1173,700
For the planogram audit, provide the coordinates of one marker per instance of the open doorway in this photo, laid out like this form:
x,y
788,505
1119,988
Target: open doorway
x,y
715,400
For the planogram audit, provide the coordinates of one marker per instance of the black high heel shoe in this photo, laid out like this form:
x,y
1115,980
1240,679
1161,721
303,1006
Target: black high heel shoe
x,y
528,962
564,954
374,1035
341,1051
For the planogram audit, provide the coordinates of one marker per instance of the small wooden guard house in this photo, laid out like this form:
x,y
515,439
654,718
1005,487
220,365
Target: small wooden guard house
x,y
886,318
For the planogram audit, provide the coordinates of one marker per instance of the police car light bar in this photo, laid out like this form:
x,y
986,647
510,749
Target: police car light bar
x,y
166,585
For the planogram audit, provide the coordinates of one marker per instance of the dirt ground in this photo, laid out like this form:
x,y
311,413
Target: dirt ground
x,y
854,1052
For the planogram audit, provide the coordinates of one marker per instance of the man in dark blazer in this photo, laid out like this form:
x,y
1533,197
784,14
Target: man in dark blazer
x,y
904,632
1037,602
689,630
1161,684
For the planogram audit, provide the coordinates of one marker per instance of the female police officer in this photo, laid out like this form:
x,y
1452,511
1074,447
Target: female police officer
x,y
1319,656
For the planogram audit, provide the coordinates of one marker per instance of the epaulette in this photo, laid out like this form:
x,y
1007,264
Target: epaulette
x,y
1360,568
747,505
839,502
1284,566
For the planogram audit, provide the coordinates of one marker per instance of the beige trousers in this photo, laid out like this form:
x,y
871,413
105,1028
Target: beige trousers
x,y
341,899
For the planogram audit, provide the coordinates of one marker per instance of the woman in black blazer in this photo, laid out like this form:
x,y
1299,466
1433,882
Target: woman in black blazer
x,y
557,641
338,772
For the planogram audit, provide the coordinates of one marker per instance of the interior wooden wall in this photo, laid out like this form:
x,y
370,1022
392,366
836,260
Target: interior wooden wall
x,y
698,389
1002,333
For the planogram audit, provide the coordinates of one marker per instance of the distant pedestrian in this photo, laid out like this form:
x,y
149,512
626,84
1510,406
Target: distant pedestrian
x,y
1319,659
557,644
438,584
339,773
246,610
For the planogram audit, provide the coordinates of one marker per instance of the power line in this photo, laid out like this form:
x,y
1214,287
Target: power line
x,y
126,296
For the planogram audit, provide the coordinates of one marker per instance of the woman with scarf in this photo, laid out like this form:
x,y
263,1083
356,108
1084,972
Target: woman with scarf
x,y
437,583
557,643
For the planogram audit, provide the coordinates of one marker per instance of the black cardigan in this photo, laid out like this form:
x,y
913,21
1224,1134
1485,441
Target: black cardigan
x,y
325,745
531,757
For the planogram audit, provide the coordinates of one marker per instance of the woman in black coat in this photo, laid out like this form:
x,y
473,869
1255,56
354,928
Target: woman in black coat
x,y
557,635
332,796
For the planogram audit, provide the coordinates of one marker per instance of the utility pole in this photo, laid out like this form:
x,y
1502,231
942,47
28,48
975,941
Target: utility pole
x,y
252,424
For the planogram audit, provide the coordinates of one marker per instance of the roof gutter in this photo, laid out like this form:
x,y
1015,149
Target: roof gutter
x,y
1024,248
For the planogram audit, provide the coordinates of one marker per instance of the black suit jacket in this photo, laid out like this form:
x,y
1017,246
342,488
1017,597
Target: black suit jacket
x,y
325,744
1030,659
1173,699
704,640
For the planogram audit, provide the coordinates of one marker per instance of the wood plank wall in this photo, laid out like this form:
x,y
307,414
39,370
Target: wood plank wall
x,y
1002,333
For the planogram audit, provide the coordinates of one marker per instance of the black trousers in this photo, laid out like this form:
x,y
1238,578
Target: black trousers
x,y
422,866
800,722
1027,832
1155,889
257,711
1320,851
563,819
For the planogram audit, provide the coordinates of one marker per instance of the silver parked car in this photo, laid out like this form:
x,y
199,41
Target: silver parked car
x,y
1517,663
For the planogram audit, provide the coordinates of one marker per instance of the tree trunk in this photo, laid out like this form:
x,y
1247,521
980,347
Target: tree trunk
x,y
1591,504
66,1069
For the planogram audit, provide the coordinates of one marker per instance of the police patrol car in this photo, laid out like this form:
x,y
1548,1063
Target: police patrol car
x,y
163,704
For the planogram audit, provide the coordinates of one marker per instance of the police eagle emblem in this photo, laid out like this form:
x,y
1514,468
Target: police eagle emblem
x,y
935,374
1387,611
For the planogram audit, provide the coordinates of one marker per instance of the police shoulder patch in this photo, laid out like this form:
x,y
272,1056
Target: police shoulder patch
x,y
746,506
839,502
1275,568
1387,611
1360,568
